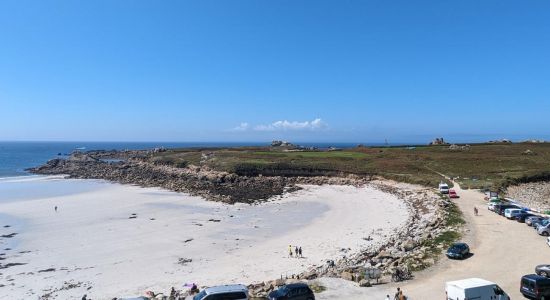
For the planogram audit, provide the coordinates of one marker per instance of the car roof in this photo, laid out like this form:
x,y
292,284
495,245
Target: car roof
x,y
459,244
226,289
470,283
535,277
296,285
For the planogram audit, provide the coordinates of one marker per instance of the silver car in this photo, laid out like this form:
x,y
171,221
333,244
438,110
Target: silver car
x,y
530,220
544,229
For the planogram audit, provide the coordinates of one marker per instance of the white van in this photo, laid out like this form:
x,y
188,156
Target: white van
x,y
511,212
223,292
443,188
474,288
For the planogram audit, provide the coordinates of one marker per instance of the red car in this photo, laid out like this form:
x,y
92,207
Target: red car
x,y
453,194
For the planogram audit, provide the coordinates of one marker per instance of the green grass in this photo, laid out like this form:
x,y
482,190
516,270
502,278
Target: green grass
x,y
483,166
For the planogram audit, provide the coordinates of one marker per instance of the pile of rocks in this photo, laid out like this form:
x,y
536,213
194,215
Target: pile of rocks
x,y
528,152
535,195
213,185
196,180
455,147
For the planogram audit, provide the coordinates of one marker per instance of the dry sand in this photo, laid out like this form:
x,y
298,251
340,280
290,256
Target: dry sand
x,y
97,248
503,251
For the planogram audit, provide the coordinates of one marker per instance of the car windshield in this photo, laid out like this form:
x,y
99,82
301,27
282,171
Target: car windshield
x,y
456,247
544,222
200,295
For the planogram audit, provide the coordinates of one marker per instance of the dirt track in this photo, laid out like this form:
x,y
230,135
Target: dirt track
x,y
502,250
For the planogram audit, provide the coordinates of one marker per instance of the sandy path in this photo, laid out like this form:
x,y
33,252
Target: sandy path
x,y
92,239
503,252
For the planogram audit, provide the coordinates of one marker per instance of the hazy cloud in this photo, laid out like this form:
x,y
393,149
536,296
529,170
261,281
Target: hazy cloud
x,y
242,127
294,125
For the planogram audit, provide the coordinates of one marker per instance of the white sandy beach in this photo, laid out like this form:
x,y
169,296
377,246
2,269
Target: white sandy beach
x,y
93,243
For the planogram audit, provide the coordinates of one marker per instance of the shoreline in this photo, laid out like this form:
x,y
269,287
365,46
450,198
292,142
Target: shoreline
x,y
173,226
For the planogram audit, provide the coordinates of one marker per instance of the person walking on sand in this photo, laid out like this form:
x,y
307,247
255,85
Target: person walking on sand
x,y
475,211
387,297
55,208
289,250
300,251
397,294
296,251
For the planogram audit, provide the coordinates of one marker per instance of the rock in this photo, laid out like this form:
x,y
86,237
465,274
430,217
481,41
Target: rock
x,y
347,276
429,261
383,254
408,245
528,152
364,283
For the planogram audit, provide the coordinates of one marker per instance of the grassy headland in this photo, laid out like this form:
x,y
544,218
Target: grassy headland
x,y
481,166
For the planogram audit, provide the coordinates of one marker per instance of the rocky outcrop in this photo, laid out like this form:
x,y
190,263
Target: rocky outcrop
x,y
134,167
213,185
501,141
454,147
535,195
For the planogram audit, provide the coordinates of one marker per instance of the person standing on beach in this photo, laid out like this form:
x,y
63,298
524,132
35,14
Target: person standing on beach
x,y
300,251
289,250
388,297
475,211
55,208
296,251
397,294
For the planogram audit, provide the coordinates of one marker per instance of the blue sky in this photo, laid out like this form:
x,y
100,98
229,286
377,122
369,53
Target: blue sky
x,y
340,71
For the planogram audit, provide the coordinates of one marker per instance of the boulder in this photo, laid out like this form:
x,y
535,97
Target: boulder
x,y
364,283
408,245
347,276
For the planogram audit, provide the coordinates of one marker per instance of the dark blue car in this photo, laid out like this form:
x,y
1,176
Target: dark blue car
x,y
534,286
458,251
294,291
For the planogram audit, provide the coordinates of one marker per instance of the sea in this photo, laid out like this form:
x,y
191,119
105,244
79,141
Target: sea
x,y
15,157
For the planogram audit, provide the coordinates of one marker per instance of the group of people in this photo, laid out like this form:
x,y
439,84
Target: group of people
x,y
297,251
398,295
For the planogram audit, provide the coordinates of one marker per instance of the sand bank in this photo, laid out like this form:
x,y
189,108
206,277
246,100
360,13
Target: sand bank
x,y
120,240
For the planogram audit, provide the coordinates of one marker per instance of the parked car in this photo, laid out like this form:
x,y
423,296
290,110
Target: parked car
x,y
293,291
453,194
543,270
474,288
544,229
522,216
491,205
531,220
511,213
443,188
548,241
223,292
534,286
458,250
542,222
499,209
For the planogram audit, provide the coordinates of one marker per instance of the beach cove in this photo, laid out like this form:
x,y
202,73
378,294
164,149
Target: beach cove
x,y
111,240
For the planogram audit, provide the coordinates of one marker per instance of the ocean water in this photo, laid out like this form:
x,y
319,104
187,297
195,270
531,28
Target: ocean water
x,y
15,157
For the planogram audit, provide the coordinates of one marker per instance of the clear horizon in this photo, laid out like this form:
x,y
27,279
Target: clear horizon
x,y
248,71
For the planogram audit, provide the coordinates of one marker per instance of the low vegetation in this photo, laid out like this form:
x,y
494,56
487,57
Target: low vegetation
x,y
479,166
453,224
